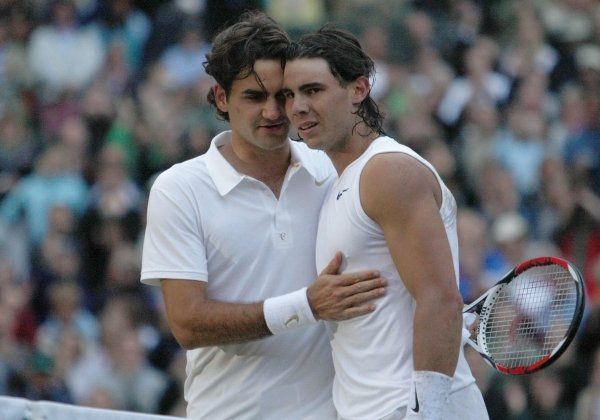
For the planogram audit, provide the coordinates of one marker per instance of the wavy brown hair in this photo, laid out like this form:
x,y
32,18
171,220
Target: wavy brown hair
x,y
346,60
255,36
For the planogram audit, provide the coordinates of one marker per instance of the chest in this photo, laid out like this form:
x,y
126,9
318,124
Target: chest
x,y
344,226
250,219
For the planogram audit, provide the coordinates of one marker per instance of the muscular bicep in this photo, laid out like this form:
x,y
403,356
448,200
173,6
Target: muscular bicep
x,y
403,197
183,301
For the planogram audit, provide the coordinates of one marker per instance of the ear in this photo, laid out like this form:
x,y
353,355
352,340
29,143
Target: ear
x,y
220,98
361,88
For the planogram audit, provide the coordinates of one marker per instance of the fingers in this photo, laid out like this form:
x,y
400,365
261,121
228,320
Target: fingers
x,y
334,265
362,298
362,286
355,311
354,278
342,296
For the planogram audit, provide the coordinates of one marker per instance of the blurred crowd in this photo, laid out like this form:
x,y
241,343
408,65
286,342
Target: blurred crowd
x,y
99,96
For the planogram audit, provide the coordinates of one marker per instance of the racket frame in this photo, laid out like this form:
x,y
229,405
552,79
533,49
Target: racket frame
x,y
481,305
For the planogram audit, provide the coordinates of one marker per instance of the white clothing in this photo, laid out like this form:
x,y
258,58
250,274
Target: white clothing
x,y
495,90
62,59
464,404
372,354
207,222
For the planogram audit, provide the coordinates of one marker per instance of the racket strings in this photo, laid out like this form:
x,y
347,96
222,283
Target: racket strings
x,y
530,316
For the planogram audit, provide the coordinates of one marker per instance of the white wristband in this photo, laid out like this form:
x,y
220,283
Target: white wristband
x,y
432,390
289,311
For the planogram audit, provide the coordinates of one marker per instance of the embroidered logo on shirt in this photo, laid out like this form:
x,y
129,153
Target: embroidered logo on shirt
x,y
340,193
319,183
292,320
415,409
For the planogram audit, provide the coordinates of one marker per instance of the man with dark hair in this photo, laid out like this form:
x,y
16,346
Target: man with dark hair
x,y
388,209
230,239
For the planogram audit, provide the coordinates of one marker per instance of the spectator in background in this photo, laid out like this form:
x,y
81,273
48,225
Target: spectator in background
x,y
429,78
480,84
475,142
15,74
183,61
112,218
375,41
528,52
582,151
92,377
66,314
557,198
496,192
571,120
121,23
546,389
169,15
139,386
42,382
520,148
514,244
220,13
63,55
17,149
56,261
588,402
14,315
473,237
73,136
50,183
116,75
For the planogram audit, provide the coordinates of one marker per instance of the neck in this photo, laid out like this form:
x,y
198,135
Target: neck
x,y
254,159
266,165
351,149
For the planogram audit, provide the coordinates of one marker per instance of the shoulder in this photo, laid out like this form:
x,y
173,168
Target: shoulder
x,y
397,172
395,183
181,175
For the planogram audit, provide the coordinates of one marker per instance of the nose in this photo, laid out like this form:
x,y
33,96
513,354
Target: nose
x,y
297,105
273,109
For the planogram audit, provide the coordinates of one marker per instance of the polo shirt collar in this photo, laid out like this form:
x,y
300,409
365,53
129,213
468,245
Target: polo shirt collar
x,y
227,178
222,173
302,159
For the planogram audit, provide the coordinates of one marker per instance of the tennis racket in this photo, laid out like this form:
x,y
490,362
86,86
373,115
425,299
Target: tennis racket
x,y
529,318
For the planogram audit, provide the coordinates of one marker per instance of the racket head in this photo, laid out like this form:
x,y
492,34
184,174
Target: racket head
x,y
529,318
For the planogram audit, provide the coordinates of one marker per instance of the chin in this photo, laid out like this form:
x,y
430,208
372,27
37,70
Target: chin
x,y
314,143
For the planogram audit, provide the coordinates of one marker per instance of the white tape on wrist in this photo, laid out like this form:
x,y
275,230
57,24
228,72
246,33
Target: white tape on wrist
x,y
468,320
431,393
283,313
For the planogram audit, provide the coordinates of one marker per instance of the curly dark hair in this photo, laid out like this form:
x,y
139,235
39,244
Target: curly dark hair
x,y
347,61
255,36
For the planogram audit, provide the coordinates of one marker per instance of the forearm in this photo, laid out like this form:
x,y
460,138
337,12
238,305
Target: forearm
x,y
437,335
215,323
197,321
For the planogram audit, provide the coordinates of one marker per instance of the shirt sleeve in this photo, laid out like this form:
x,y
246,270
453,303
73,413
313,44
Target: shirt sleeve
x,y
173,243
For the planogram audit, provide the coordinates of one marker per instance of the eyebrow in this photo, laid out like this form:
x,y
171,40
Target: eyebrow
x,y
311,86
253,92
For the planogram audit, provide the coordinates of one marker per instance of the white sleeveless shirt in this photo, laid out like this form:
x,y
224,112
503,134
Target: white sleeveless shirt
x,y
372,354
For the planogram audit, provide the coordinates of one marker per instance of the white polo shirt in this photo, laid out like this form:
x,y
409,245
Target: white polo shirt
x,y
207,222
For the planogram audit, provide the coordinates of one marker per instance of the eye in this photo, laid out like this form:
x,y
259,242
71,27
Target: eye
x,y
287,94
312,90
255,97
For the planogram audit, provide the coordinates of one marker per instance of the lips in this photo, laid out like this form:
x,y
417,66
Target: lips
x,y
274,126
306,127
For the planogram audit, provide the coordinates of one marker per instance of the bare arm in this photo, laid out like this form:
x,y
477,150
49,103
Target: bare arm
x,y
403,196
198,321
